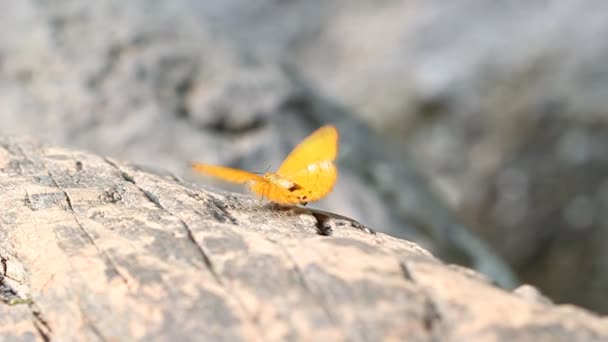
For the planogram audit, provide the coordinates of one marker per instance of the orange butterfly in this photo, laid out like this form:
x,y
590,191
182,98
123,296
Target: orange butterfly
x,y
307,174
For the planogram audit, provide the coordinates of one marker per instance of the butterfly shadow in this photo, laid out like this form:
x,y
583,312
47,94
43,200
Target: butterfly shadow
x,y
326,220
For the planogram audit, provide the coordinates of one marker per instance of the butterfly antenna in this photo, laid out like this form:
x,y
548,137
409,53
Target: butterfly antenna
x,y
262,173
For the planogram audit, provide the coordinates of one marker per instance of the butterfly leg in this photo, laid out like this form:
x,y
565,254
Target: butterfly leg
x,y
263,193
303,200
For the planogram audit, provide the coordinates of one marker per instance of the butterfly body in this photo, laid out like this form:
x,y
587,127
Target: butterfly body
x,y
279,181
307,174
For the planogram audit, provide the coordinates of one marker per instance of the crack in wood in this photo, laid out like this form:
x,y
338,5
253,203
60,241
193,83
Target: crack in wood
x,y
11,281
221,214
90,324
154,199
28,200
40,323
305,284
325,226
102,252
203,254
151,197
6,291
432,319
405,271
3,262
222,208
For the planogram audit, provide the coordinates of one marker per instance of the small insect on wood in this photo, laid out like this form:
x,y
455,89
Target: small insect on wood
x,y
306,175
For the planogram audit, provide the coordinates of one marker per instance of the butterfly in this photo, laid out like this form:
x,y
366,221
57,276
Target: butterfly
x,y
306,175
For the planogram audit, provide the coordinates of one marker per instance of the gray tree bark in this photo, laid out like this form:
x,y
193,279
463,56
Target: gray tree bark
x,y
92,249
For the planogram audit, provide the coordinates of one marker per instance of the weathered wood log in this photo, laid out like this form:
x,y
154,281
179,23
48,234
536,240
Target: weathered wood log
x,y
94,249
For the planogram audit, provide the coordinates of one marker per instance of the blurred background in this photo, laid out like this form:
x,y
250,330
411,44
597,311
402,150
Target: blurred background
x,y
478,129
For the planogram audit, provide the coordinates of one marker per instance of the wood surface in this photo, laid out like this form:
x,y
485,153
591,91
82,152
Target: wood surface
x,y
94,249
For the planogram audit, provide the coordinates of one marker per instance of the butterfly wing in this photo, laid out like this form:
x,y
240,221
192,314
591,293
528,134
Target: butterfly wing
x,y
314,182
227,173
310,167
320,146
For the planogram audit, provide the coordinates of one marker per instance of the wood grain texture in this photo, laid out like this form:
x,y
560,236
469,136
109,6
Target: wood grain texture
x,y
97,250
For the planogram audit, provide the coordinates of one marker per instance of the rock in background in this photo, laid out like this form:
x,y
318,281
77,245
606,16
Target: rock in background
x,y
503,104
467,88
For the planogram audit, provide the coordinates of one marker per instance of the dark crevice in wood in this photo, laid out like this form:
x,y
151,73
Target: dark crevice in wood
x,y
28,200
221,214
6,292
432,319
305,284
108,260
154,199
3,262
40,323
200,249
405,271
325,225
222,208
151,197
92,327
